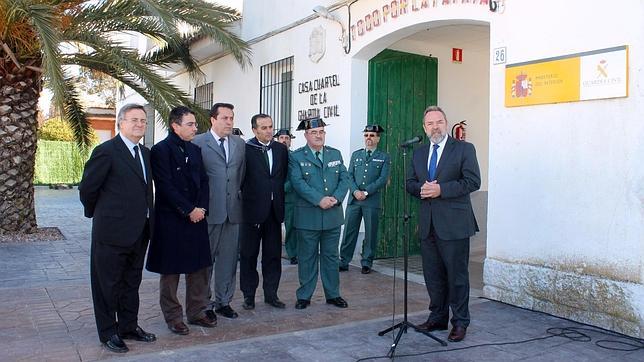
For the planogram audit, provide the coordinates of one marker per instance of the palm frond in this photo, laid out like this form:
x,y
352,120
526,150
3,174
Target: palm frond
x,y
75,116
45,23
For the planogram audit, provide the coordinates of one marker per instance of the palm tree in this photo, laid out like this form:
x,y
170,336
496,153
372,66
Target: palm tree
x,y
39,39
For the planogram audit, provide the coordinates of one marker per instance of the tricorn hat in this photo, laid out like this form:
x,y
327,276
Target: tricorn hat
x,y
237,132
283,132
373,128
311,123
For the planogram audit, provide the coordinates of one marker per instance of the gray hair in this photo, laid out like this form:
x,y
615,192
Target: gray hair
x,y
435,109
126,108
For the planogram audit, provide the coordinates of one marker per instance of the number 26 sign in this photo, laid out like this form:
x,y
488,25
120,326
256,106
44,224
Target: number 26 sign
x,y
499,55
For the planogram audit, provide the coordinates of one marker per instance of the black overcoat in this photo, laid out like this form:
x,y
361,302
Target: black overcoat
x,y
178,245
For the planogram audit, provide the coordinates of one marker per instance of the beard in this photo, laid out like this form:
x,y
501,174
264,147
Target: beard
x,y
437,137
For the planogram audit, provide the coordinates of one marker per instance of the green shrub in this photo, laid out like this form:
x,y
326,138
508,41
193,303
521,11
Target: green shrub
x,y
57,129
59,162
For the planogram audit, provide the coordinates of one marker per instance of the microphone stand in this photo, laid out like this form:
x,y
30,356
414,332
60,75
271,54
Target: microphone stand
x,y
405,324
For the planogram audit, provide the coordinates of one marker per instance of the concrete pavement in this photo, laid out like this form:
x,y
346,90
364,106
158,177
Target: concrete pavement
x,y
46,314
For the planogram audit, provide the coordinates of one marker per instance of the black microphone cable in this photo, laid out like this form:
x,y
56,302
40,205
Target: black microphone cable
x,y
618,342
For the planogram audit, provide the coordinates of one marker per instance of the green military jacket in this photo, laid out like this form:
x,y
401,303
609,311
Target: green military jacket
x,y
369,175
289,193
312,181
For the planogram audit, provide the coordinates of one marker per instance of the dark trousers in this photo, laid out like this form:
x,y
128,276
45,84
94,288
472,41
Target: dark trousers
x,y
269,235
196,296
116,274
445,268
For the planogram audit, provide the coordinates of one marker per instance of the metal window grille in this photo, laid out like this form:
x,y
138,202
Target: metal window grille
x,y
276,91
203,96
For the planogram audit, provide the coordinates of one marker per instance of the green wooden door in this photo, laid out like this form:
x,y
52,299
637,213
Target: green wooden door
x,y
401,86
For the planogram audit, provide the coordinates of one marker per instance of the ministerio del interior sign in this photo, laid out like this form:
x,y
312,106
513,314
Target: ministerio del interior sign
x,y
597,74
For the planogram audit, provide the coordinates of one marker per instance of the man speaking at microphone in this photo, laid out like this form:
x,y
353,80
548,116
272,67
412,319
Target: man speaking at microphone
x,y
443,174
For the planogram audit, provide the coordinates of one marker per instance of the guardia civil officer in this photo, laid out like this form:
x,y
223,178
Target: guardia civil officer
x,y
284,137
368,174
320,180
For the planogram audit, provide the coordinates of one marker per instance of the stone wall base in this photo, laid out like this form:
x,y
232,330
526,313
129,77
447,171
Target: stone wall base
x,y
605,303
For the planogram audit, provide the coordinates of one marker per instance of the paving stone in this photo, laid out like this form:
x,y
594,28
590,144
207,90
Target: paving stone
x,y
46,313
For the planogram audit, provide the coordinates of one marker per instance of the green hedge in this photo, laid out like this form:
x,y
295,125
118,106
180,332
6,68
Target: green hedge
x,y
58,162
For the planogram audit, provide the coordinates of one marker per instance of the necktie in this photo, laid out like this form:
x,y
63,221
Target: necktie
x,y
265,154
432,164
317,155
368,154
137,159
223,149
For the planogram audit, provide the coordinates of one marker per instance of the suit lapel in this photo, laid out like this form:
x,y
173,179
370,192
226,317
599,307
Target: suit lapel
x,y
423,161
260,152
275,159
446,155
125,153
214,145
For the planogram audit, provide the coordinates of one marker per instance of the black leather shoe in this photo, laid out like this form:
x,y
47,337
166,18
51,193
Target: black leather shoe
x,y
302,303
338,302
276,302
116,344
343,268
430,326
365,270
227,311
179,328
211,316
294,260
139,335
457,334
249,303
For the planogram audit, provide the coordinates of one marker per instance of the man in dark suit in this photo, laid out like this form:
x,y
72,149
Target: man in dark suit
x,y
263,213
116,191
443,180
180,244
224,159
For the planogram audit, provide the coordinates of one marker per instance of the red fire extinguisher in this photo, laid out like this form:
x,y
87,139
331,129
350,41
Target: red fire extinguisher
x,y
458,130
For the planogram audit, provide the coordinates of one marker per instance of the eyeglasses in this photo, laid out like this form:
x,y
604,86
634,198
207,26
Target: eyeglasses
x,y
370,135
139,121
315,133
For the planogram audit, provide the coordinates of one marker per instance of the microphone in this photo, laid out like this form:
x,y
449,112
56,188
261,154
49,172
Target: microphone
x,y
411,141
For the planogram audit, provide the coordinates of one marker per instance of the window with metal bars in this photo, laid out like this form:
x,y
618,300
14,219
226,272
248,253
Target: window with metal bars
x,y
203,96
276,91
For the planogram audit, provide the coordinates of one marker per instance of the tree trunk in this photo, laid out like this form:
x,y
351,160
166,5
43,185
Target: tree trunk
x,y
19,92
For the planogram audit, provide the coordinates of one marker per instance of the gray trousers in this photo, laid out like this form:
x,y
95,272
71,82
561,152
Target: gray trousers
x,y
224,250
196,293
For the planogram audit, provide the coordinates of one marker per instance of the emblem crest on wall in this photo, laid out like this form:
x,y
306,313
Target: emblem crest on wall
x,y
317,44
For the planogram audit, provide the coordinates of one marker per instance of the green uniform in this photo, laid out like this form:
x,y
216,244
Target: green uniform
x,y
290,236
318,230
368,174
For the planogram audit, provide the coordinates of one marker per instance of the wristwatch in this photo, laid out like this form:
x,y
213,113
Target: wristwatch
x,y
365,193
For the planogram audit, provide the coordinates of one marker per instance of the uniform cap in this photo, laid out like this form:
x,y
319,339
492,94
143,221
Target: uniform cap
x,y
373,128
283,132
311,123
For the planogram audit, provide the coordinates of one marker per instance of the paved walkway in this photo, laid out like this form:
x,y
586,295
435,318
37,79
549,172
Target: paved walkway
x,y
46,314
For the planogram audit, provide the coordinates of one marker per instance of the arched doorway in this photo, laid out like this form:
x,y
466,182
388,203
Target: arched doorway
x,y
462,91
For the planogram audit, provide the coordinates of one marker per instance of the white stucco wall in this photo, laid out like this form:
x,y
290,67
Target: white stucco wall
x,y
566,183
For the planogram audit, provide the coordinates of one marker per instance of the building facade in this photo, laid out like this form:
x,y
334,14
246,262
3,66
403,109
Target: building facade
x,y
551,94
